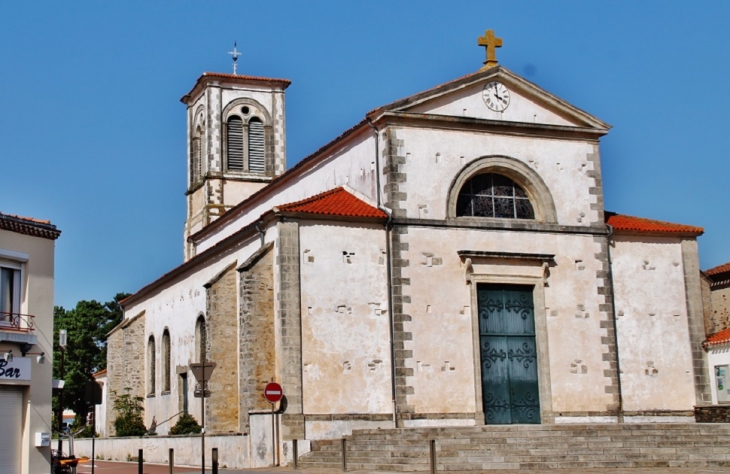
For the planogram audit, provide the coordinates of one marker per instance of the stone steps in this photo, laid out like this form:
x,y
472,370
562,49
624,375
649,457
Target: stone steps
x,y
529,447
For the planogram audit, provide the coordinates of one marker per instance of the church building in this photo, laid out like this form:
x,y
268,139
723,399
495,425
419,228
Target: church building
x,y
447,261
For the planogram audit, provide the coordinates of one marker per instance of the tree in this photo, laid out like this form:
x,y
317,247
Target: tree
x,y
87,326
129,415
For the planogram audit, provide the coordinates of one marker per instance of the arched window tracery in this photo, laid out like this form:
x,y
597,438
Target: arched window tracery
x,y
493,195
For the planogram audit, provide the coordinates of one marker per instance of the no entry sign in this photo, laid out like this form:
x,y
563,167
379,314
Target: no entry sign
x,y
273,392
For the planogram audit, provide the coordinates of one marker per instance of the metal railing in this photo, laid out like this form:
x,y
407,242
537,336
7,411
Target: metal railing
x,y
16,322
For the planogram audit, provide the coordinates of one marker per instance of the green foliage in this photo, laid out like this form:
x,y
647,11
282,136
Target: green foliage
x,y
129,415
186,424
87,326
86,431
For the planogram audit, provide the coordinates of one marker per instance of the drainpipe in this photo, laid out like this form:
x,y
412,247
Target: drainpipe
x,y
388,265
262,234
620,415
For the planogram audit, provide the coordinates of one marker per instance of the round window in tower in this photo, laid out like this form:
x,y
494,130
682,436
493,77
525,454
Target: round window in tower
x,y
245,110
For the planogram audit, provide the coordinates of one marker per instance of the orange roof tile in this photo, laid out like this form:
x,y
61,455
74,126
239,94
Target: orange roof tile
x,y
29,226
725,267
336,202
722,337
626,223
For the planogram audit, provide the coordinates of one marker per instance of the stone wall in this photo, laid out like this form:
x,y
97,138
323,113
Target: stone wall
x,y
712,414
719,318
125,364
257,353
221,414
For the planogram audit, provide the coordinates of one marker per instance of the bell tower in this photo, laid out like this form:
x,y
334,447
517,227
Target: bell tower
x,y
236,143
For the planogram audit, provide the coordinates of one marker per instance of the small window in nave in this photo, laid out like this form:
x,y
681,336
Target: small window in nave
x,y
493,195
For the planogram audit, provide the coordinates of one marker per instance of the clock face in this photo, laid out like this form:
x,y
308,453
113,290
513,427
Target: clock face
x,y
496,96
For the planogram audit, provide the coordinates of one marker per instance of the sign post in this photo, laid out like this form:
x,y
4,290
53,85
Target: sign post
x,y
202,372
273,393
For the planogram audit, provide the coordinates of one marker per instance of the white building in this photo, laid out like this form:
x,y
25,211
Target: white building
x,y
446,261
26,343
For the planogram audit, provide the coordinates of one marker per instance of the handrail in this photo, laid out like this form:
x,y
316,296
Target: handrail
x,y
16,322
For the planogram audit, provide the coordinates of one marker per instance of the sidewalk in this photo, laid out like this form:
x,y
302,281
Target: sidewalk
x,y
107,467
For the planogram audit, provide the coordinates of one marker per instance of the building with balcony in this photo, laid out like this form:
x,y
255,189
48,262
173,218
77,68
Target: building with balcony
x,y
26,342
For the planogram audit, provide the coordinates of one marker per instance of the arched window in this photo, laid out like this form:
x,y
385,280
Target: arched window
x,y
151,366
201,340
493,195
234,145
196,160
166,361
256,145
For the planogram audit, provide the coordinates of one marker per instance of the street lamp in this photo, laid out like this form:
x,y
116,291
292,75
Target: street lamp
x,y
62,341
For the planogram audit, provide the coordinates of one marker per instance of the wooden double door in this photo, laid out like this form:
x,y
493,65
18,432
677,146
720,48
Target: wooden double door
x,y
510,391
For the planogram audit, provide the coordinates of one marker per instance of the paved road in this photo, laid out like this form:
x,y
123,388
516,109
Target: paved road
x,y
106,467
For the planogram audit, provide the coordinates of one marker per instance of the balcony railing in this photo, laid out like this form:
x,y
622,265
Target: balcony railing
x,y
16,322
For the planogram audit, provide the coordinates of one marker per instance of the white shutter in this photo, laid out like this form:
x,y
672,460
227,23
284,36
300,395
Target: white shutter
x,y
235,144
11,414
256,146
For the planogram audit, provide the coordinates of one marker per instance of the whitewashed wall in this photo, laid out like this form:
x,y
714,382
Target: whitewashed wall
x,y
653,331
345,322
435,157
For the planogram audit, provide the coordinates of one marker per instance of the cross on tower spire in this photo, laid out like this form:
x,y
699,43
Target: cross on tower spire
x,y
235,55
491,43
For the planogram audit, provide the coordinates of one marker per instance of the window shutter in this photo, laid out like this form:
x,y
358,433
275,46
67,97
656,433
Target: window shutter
x,y
235,144
256,146
196,166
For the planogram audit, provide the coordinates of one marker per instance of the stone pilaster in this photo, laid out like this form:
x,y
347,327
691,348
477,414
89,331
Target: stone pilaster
x,y
288,310
257,352
126,369
695,319
395,197
609,343
221,409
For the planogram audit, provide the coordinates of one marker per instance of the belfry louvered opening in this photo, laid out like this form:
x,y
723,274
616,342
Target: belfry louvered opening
x,y
256,146
235,144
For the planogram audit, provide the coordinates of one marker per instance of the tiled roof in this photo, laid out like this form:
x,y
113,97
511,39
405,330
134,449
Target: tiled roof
x,y
722,337
336,202
207,76
244,77
725,267
621,222
29,226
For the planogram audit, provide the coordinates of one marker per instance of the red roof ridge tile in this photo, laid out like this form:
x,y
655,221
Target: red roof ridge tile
x,y
623,222
722,337
725,267
335,202
245,77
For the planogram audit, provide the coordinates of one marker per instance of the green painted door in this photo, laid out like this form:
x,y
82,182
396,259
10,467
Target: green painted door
x,y
508,354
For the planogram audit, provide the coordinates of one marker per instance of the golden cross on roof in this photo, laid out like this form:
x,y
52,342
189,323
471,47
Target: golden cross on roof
x,y
491,43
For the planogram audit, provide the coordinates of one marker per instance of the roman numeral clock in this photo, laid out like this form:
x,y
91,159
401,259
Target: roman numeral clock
x,y
496,96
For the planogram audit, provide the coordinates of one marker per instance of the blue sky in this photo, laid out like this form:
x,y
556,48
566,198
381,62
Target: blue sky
x,y
92,133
